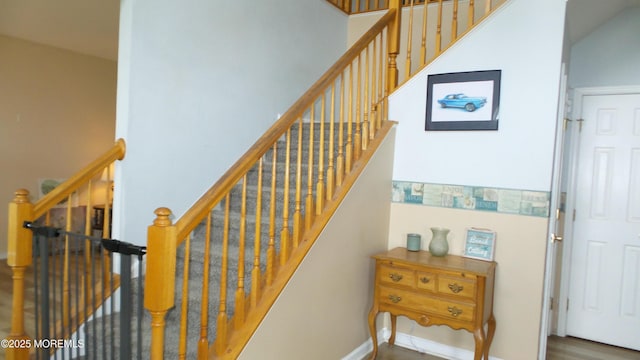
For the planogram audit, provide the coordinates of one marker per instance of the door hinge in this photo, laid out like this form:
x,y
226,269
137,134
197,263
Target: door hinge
x,y
580,121
551,304
566,123
567,304
574,214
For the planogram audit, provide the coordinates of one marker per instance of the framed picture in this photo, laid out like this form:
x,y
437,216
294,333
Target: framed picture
x,y
463,101
480,244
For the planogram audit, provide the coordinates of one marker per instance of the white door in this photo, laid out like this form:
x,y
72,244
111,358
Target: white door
x,y
604,289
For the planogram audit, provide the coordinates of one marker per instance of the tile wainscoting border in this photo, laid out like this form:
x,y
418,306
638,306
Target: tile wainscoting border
x,y
508,201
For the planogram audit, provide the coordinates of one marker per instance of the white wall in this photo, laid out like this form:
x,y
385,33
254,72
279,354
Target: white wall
x,y
524,40
57,114
199,82
520,153
610,55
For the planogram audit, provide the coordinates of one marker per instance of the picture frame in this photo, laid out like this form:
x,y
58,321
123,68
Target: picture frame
x,y
463,101
480,244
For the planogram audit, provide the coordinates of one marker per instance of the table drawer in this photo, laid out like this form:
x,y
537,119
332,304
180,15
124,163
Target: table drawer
x,y
426,281
457,286
397,275
427,304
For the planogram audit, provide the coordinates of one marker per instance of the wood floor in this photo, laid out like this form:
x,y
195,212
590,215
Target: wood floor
x,y
558,349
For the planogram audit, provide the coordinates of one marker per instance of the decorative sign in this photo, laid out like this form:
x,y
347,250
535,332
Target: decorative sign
x,y
480,244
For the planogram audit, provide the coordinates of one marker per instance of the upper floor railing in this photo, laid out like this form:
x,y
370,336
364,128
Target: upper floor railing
x,y
429,27
361,6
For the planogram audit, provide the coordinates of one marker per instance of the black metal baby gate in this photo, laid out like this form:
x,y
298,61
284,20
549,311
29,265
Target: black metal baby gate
x,y
83,308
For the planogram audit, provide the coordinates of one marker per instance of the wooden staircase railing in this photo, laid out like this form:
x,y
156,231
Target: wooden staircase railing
x,y
83,190
349,105
431,29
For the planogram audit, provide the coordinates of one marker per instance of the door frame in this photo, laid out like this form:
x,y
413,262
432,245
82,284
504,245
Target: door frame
x,y
556,181
578,100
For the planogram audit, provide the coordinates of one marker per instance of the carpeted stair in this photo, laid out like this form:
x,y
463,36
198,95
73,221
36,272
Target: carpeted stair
x,y
197,246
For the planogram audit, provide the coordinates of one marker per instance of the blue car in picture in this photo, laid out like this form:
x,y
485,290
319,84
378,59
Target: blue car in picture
x,y
462,101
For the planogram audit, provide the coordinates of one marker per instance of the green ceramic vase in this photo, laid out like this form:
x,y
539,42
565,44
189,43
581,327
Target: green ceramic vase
x,y
438,246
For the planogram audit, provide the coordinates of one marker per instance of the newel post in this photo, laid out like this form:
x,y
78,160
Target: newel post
x,y
19,258
393,46
160,277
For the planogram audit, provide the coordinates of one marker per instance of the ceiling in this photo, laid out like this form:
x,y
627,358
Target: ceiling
x,y
85,26
91,26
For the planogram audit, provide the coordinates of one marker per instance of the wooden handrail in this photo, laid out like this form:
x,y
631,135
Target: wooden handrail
x,y
216,193
351,7
67,188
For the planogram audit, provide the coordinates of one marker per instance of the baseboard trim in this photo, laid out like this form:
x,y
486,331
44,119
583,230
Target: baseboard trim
x,y
414,343
363,350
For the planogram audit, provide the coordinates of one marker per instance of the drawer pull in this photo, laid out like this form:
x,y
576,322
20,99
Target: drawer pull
x,y
424,280
395,277
455,288
395,298
454,311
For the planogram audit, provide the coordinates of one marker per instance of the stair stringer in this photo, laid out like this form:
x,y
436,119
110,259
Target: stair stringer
x,y
353,226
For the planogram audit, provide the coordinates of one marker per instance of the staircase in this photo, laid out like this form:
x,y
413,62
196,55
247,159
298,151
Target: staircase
x,y
234,251
213,275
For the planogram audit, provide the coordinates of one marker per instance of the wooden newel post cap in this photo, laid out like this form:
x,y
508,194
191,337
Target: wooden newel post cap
x,y
163,215
22,196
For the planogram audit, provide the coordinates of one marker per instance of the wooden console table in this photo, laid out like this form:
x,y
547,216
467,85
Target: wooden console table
x,y
451,290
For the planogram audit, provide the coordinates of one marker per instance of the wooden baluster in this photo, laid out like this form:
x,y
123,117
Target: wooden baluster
x,y
374,108
106,232
381,87
222,320
184,306
423,42
471,14
66,292
346,6
330,169
487,7
239,314
365,117
255,273
439,29
349,145
19,259
160,276
358,6
379,106
309,209
271,252
284,232
357,139
407,69
297,213
454,22
393,46
340,158
203,343
88,228
320,183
